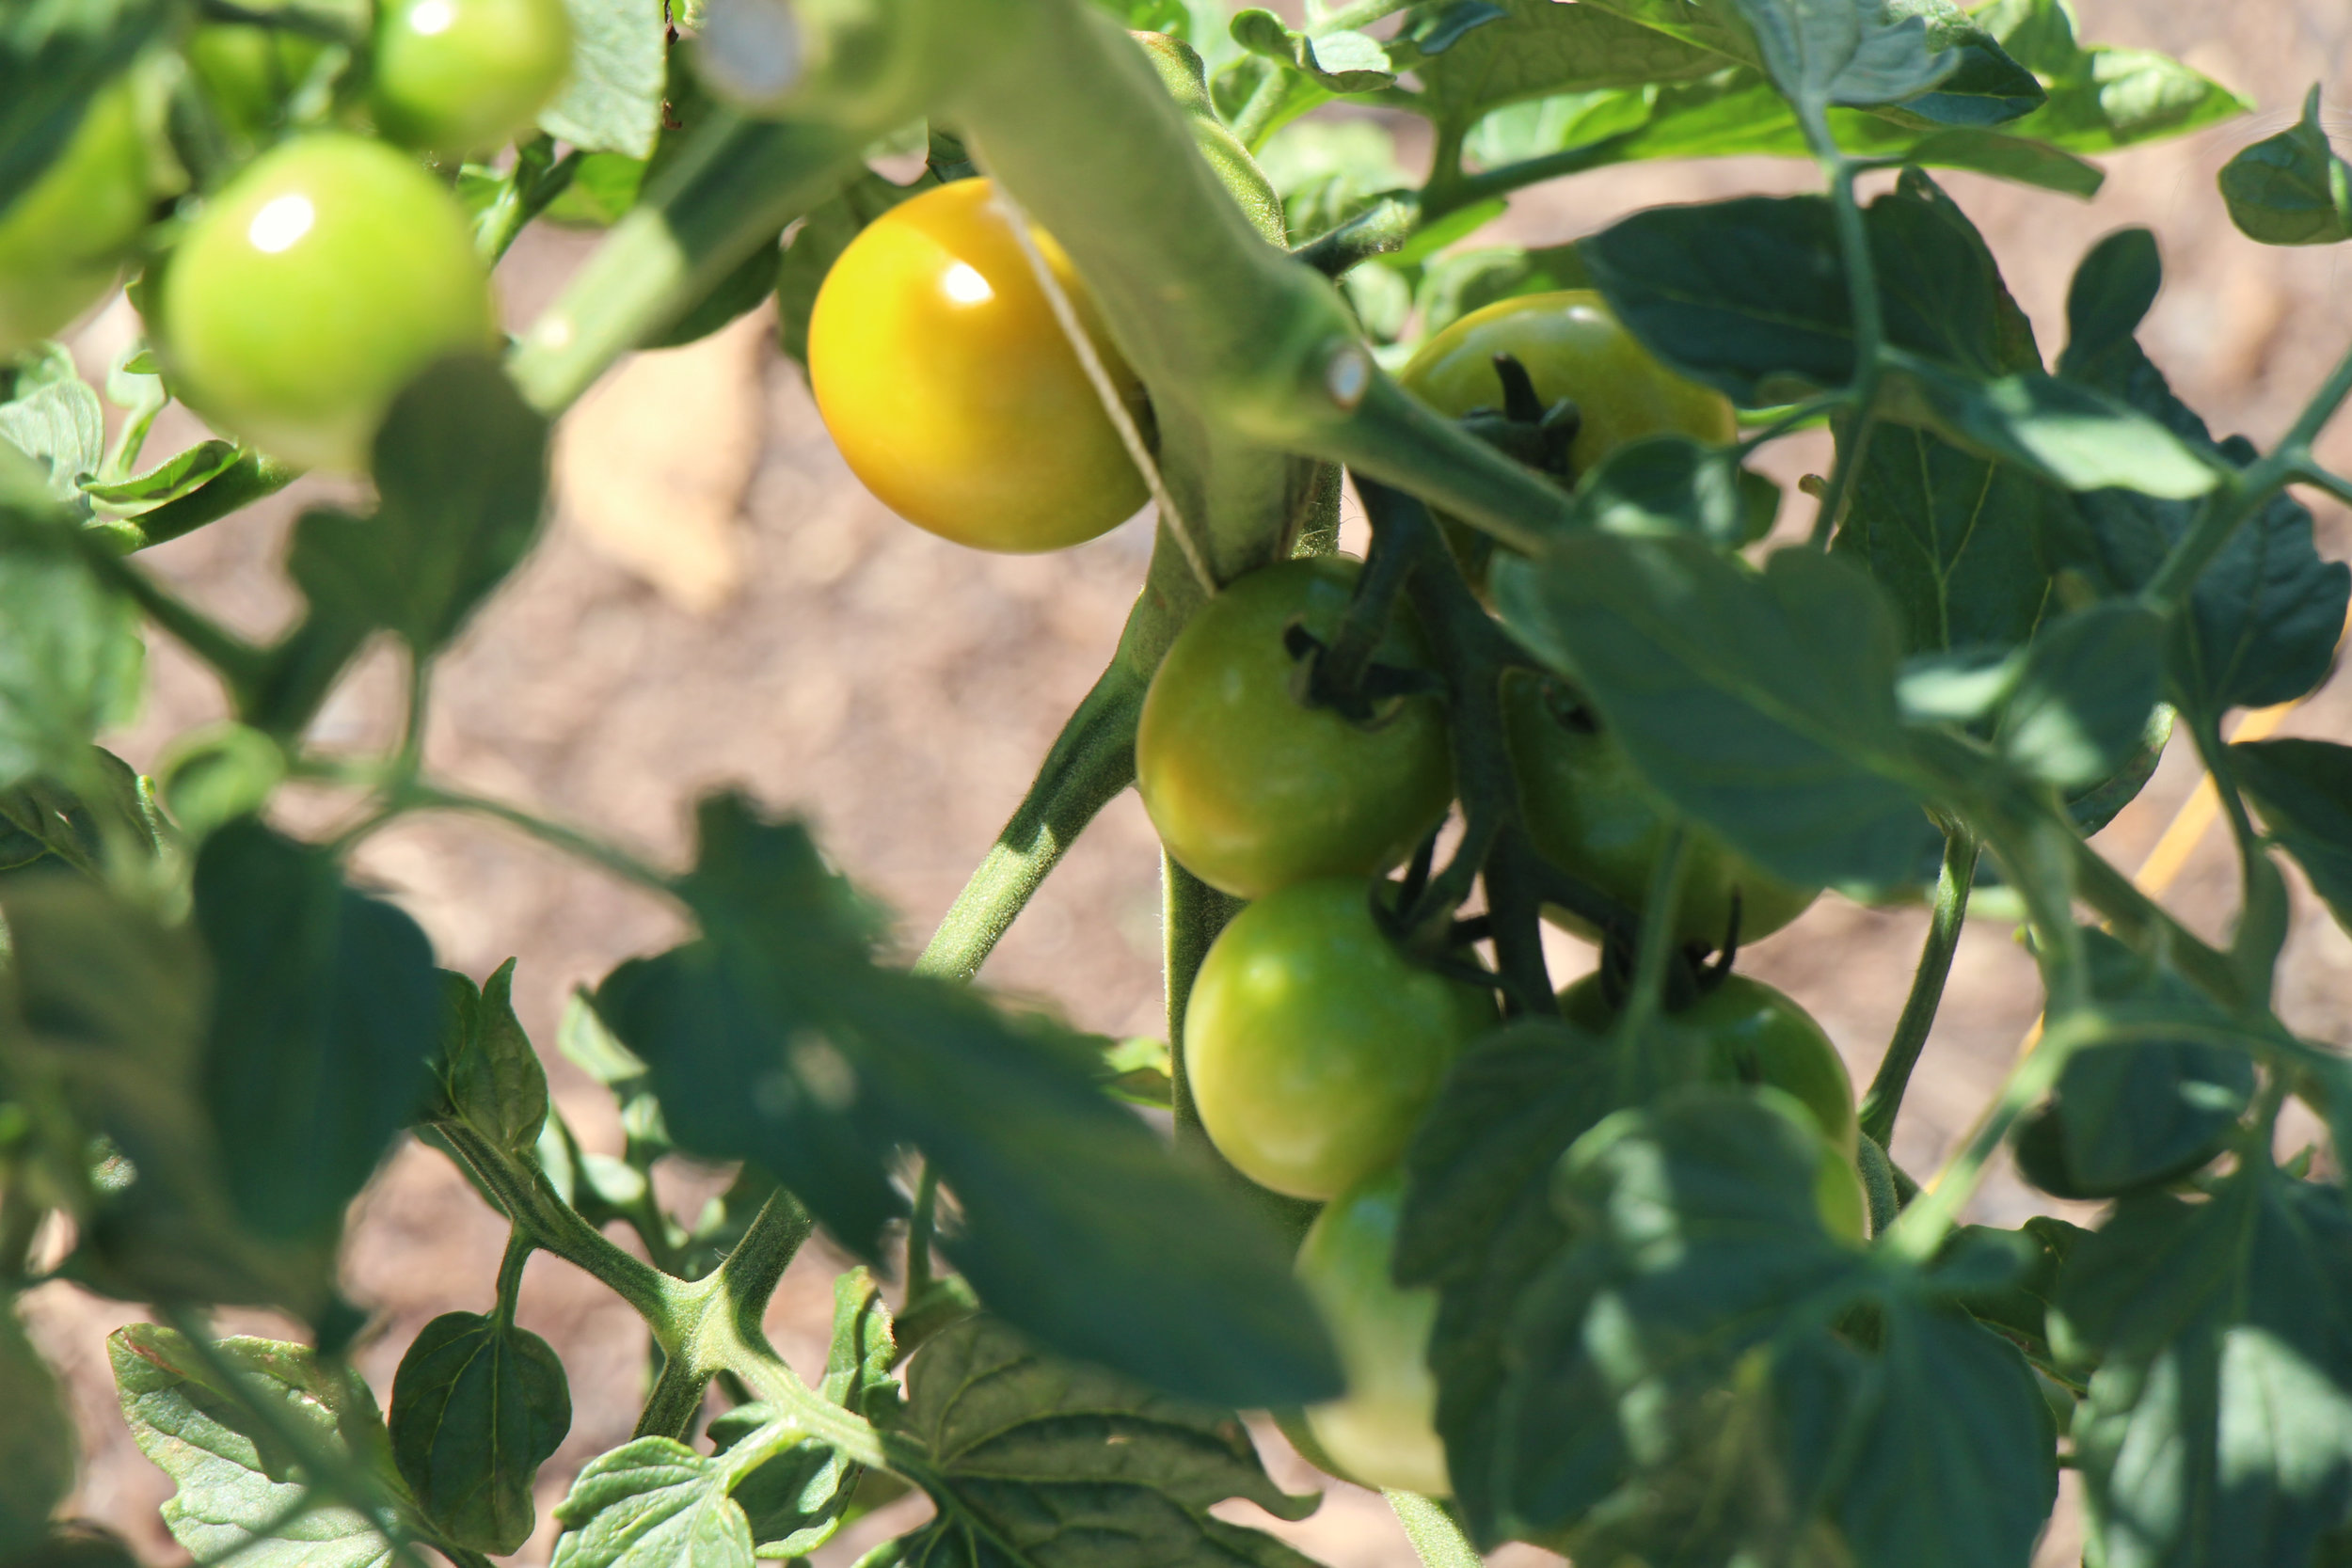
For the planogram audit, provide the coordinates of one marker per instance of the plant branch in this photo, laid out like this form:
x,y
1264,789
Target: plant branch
x,y
1885,1098
1468,190
1869,335
424,796
2264,915
1430,1526
252,478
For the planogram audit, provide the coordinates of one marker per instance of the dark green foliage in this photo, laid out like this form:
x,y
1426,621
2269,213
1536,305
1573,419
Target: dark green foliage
x,y
478,1405
2291,188
2303,790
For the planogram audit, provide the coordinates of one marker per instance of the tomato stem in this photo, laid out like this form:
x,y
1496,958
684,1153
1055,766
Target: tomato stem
x,y
1884,1101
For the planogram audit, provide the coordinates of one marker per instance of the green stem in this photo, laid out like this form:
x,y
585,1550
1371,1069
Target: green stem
x,y
1191,915
236,661
1430,1526
1862,284
1253,120
252,478
538,179
510,1283
1646,1000
421,796
2325,479
1379,229
1468,190
1092,761
2265,916
1886,1099
737,183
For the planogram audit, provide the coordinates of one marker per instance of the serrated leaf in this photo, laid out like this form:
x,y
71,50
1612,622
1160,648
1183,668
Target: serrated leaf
x,y
1030,1457
1341,61
2101,99
325,1013
2303,790
234,1479
51,414
613,103
2218,1427
655,1503
489,1074
776,1037
2291,188
1763,706
37,1443
478,1405
2083,694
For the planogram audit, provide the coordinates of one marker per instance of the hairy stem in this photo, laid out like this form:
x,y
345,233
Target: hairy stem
x,y
1885,1098
1869,336
1430,1526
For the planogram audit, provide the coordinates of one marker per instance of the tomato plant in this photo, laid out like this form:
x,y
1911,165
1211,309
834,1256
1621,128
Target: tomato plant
x,y
1255,785
1634,1281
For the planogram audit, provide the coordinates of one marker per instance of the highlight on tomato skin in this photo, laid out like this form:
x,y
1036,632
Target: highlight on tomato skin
x,y
454,77
1252,790
946,381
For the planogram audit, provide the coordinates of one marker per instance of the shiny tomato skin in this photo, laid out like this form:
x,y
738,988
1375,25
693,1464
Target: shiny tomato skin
x,y
1589,812
1313,1046
312,289
457,76
1251,790
1382,1432
1573,347
1755,1033
64,239
947,382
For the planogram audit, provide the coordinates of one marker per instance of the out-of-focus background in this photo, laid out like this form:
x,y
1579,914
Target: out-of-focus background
x,y
718,602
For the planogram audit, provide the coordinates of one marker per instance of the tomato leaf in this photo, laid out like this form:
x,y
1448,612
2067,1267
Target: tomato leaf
x,y
1670,485
2291,188
324,1019
2303,790
1538,49
236,1484
1763,706
2101,99
72,663
655,1503
1849,52
1026,1453
490,1074
620,63
478,1405
51,414
2217,1427
2089,681
776,1037
36,1443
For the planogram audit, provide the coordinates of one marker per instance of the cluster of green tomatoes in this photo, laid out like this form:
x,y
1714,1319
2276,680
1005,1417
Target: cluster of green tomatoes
x,y
1314,1043
331,263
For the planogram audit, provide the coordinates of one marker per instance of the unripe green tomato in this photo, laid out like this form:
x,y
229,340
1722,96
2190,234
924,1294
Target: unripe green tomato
x,y
1589,812
1313,1046
943,377
1755,1035
1382,1432
1250,789
322,280
64,239
457,76
250,71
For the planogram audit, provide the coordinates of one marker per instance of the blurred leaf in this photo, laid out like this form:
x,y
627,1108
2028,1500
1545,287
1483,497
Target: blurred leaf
x,y
76,1543
175,477
1341,61
2014,1302
588,1045
1139,1071
2262,621
2136,1115
72,664
1028,1454
1762,705
740,293
775,1038
2100,99
2303,790
613,103
2089,683
488,1071
1671,484
49,413
2071,434
2291,188
1478,1221
215,774
1540,49
36,1441
325,1014
603,187
478,1405
2218,1428
1327,171
54,55
234,1479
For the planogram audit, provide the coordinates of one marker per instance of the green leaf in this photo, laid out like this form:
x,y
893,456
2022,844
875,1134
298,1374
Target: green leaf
x,y
1540,49
214,775
2291,188
2218,1428
819,241
740,293
2015,1301
182,475
2090,682
2303,790
2136,1115
655,1503
54,55
1341,61
2262,621
1031,1457
50,414
2101,99
72,664
1478,1221
490,1074
325,1014
775,1038
603,187
1670,485
36,1441
1762,705
2074,435
1850,52
613,103
1327,171
1987,86
478,1405
235,1481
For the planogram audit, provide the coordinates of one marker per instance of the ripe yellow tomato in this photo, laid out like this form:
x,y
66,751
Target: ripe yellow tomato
x,y
947,382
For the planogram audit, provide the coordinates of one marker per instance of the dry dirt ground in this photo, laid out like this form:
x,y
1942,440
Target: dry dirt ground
x,y
719,603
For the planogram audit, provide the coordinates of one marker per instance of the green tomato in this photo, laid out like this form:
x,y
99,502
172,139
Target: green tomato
x,y
1313,1046
1589,812
1754,1034
322,280
459,76
63,240
248,70
1250,789
1382,1432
